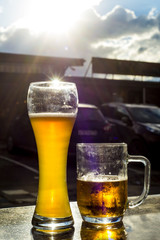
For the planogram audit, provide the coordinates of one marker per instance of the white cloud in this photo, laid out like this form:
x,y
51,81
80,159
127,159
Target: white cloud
x,y
118,34
153,12
118,22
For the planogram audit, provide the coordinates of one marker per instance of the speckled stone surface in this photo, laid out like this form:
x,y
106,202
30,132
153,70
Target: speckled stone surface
x,y
140,223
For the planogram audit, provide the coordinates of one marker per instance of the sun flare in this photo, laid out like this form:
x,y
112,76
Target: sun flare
x,y
56,16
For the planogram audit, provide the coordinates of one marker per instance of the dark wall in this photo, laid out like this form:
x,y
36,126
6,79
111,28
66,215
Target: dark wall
x,y
13,94
14,87
97,91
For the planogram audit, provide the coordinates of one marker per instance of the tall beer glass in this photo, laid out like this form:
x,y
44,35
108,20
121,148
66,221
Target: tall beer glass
x,y
52,109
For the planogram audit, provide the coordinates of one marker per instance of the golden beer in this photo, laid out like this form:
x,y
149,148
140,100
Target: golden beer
x,y
115,231
103,198
52,133
102,182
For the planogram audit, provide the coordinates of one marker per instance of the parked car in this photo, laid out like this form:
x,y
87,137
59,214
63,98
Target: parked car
x,y
137,124
90,126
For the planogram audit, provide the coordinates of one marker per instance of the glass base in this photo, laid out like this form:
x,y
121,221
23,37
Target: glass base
x,y
102,220
52,235
47,224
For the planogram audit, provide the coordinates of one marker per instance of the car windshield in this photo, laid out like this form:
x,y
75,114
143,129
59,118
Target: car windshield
x,y
90,114
145,114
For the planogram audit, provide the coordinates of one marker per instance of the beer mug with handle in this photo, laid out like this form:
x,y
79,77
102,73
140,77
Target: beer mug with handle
x,y
52,109
102,181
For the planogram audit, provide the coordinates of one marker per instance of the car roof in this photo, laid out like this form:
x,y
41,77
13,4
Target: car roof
x,y
84,105
129,105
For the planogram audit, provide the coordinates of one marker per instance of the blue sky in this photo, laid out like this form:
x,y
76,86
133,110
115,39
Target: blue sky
x,y
122,29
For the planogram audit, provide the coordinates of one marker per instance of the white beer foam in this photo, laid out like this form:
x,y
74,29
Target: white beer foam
x,y
49,114
94,177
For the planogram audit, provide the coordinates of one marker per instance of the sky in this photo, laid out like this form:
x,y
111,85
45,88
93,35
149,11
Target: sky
x,y
127,30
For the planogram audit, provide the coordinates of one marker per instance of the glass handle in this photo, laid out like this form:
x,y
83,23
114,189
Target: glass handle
x,y
146,187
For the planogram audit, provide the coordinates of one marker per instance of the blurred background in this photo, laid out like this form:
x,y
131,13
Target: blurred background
x,y
111,51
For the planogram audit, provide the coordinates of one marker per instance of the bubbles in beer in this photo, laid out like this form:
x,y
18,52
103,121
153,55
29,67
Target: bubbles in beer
x,y
96,177
49,114
102,196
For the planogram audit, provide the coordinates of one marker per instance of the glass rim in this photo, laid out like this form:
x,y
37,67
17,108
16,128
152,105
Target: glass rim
x,y
50,83
101,144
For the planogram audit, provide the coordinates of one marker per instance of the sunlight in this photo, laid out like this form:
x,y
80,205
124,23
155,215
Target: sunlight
x,y
56,16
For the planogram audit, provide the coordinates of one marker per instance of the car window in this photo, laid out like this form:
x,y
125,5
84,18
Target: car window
x,y
145,115
89,114
115,112
120,112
